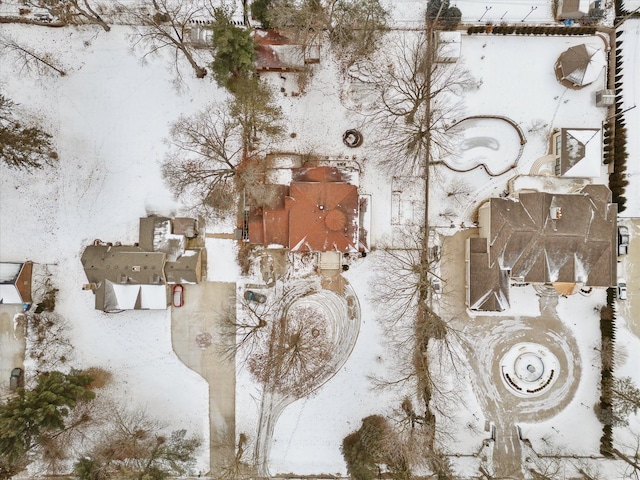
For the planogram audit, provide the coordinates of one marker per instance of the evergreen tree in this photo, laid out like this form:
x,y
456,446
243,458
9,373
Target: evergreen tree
x,y
259,9
255,110
25,417
235,51
446,15
23,146
366,448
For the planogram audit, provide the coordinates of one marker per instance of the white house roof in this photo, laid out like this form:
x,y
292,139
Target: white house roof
x,y
582,152
126,296
9,294
9,272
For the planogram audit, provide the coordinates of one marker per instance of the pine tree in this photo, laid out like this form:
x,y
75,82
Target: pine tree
x,y
32,413
235,51
23,146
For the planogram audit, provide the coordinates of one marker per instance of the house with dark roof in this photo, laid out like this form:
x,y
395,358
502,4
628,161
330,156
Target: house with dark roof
x,y
564,240
15,282
318,212
573,9
138,277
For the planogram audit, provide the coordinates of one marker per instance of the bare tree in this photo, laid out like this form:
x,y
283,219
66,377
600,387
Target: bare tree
x,y
74,12
415,101
354,26
243,329
209,149
296,354
428,346
305,20
133,445
238,468
165,24
29,59
205,151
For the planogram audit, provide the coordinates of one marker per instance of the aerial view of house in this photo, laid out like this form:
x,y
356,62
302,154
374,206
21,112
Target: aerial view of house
x,y
320,239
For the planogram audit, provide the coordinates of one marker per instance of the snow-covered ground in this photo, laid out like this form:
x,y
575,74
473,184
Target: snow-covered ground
x,y
631,102
531,97
110,115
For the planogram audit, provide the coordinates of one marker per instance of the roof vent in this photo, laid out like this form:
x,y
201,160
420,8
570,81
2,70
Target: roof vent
x,y
135,268
555,213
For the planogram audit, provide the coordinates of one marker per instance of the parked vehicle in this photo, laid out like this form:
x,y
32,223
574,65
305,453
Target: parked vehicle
x,y
17,379
43,17
623,240
436,286
622,289
178,295
254,296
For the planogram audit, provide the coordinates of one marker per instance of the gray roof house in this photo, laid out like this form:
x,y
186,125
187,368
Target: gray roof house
x,y
564,240
137,277
15,282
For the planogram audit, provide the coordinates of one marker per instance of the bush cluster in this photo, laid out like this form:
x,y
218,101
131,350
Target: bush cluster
x,y
530,30
607,333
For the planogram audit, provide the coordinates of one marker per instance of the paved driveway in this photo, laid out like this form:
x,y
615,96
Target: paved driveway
x,y
12,345
195,333
629,268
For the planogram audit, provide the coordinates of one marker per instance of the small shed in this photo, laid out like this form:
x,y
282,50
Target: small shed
x,y
15,282
448,47
573,9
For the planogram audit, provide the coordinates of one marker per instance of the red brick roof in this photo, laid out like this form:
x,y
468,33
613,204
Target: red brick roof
x,y
321,213
323,216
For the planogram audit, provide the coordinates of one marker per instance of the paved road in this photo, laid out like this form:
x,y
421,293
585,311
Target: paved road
x,y
195,333
12,345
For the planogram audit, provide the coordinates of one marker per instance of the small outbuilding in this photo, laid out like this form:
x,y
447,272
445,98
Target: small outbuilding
x,y
580,65
449,47
15,282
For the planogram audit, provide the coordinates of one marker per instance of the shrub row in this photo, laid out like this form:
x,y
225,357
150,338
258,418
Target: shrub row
x,y
607,342
530,30
615,149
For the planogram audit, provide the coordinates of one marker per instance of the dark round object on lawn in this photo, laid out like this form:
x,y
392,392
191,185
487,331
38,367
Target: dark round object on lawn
x,y
352,138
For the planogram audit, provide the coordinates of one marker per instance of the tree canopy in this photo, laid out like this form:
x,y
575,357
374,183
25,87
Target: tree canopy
x,y
28,415
234,53
135,448
23,145
443,13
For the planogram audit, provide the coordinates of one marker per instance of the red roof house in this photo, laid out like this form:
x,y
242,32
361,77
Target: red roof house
x,y
321,213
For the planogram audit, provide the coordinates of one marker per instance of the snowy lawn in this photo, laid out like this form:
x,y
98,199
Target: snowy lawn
x,y
508,86
631,100
109,117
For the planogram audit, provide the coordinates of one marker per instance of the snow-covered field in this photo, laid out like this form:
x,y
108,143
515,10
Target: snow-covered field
x,y
109,117
631,102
